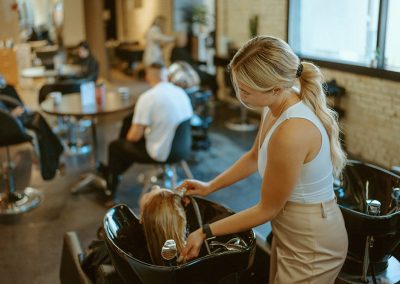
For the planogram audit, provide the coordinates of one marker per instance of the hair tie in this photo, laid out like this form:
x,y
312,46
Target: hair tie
x,y
299,70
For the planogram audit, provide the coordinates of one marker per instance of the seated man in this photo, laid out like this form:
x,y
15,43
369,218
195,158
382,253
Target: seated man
x,y
89,65
50,147
157,114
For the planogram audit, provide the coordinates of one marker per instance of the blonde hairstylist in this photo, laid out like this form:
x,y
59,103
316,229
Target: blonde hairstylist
x,y
297,152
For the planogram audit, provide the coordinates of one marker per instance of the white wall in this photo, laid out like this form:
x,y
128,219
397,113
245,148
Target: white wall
x,y
9,27
74,22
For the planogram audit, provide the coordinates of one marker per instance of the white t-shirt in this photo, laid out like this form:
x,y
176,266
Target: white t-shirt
x,y
161,109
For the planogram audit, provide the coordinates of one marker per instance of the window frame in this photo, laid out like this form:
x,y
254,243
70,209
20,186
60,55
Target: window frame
x,y
379,71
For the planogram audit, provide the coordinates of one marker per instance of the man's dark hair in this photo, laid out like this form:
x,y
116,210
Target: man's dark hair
x,y
85,45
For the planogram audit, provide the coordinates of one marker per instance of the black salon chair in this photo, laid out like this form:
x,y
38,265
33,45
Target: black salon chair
x,y
9,91
11,202
373,239
64,88
128,249
131,53
165,172
180,151
201,119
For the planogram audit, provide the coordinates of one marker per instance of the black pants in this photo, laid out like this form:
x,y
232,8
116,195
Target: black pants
x,y
121,155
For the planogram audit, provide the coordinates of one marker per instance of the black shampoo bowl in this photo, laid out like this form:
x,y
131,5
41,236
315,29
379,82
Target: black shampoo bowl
x,y
127,245
382,232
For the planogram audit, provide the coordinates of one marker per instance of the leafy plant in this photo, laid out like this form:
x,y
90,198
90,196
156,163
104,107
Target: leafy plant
x,y
195,14
253,25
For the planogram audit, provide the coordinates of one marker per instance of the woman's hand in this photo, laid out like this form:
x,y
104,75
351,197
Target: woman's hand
x,y
193,245
196,187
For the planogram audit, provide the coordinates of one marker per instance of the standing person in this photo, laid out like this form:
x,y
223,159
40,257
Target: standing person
x,y
155,41
157,114
297,152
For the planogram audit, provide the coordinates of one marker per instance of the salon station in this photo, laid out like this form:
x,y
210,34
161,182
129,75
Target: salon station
x,y
207,141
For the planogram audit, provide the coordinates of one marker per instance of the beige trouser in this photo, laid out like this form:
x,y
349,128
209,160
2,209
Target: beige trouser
x,y
309,244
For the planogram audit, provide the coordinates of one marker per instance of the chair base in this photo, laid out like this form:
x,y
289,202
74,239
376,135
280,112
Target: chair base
x,y
17,203
242,125
88,181
78,150
164,175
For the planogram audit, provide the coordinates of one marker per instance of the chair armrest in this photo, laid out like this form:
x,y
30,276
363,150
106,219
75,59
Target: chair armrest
x,y
106,274
70,269
10,102
396,170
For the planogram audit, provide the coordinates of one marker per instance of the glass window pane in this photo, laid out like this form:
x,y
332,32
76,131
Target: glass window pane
x,y
339,30
392,45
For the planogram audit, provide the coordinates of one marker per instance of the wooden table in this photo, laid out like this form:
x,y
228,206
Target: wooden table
x,y
50,74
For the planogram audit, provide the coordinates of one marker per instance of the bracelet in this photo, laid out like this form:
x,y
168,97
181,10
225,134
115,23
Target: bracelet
x,y
207,232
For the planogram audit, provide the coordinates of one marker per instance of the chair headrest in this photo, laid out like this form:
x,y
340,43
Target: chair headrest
x,y
11,130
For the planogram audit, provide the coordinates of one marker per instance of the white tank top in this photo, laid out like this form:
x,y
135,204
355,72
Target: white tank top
x,y
316,179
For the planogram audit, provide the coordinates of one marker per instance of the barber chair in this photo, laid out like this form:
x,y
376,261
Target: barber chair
x,y
63,88
166,172
11,202
68,128
201,119
131,53
72,267
127,246
9,91
373,221
46,55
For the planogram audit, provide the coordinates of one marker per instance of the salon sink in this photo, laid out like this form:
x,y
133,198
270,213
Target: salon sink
x,y
382,231
127,246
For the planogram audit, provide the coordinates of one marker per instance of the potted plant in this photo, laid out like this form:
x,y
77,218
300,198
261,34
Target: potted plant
x,y
253,26
196,17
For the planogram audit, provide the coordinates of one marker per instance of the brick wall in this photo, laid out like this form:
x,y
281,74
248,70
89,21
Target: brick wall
x,y
234,15
372,121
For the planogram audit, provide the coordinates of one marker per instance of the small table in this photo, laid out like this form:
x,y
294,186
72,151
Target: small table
x,y
71,105
42,72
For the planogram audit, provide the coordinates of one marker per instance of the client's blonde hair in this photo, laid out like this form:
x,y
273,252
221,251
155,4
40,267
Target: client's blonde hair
x,y
163,218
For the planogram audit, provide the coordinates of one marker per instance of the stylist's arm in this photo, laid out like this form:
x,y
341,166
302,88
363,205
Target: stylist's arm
x,y
283,168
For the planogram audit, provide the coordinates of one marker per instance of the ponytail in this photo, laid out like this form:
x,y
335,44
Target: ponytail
x,y
312,94
281,67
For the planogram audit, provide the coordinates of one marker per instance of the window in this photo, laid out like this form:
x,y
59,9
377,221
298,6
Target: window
x,y
359,33
392,43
